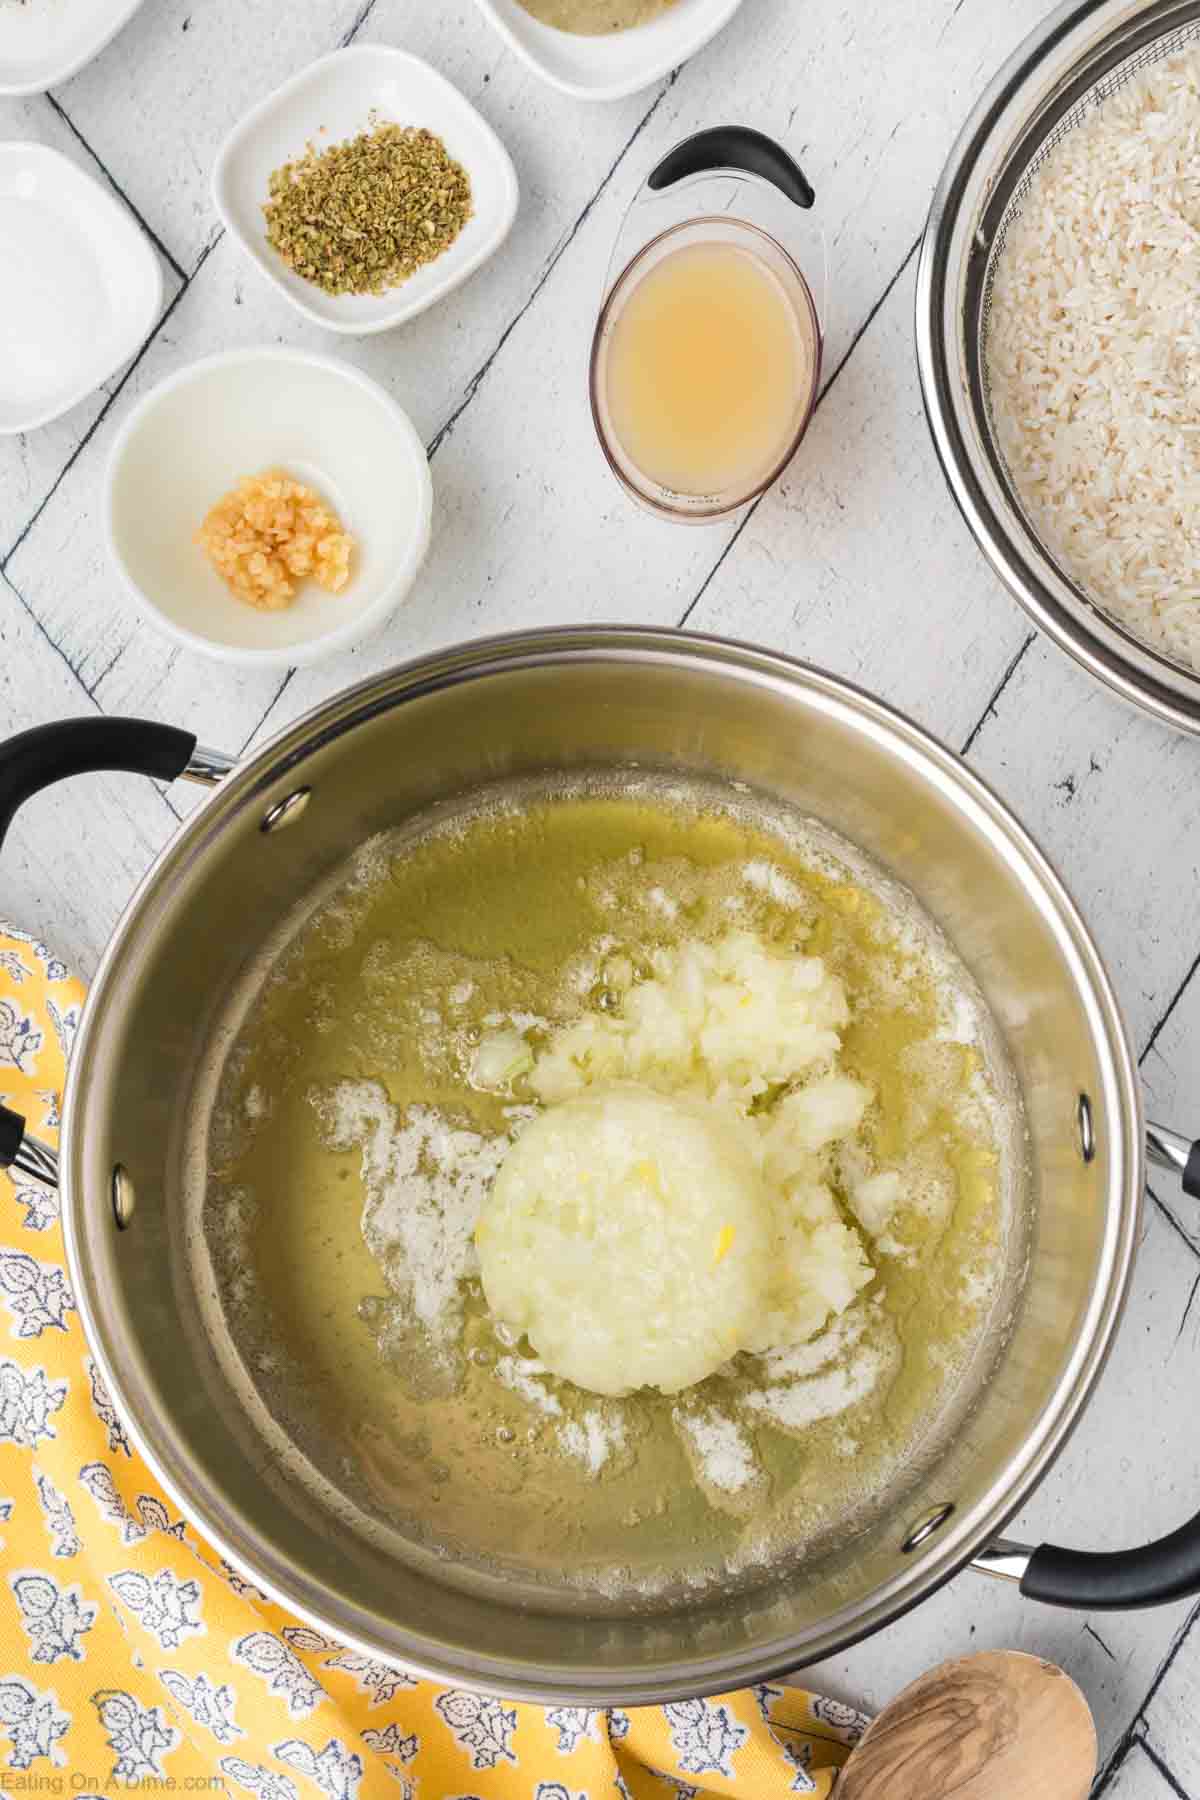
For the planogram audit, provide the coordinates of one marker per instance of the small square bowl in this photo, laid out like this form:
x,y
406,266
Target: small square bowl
x,y
333,100
75,268
618,64
243,412
42,45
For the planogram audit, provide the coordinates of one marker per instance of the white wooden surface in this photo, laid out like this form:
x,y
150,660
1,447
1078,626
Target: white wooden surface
x,y
857,561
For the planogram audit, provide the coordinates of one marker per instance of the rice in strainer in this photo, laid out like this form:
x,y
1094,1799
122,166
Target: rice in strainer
x,y
1093,355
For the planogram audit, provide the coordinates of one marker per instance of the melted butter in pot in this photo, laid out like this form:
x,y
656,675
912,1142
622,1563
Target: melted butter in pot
x,y
349,1150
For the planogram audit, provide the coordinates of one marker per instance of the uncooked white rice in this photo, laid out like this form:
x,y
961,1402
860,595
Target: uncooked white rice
x,y
1093,355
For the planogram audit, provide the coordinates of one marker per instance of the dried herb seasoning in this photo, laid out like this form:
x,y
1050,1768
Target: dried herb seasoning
x,y
362,216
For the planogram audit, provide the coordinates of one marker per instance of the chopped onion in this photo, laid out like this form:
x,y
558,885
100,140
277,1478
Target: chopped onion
x,y
500,1060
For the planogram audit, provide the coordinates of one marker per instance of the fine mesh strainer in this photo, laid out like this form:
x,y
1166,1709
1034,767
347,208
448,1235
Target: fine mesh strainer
x,y
1083,53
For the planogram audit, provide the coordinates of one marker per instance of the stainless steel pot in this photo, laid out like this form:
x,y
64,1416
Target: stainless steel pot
x,y
282,819
1082,52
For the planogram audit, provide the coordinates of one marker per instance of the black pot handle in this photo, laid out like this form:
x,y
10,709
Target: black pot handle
x,y
12,1136
1170,1150
734,147
49,753
1117,1580
21,1151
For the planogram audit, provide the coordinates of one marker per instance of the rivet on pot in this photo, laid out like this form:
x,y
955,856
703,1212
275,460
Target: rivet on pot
x,y
1085,1131
124,1198
926,1525
286,812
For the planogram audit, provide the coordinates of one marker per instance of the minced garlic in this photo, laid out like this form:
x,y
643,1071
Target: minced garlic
x,y
271,532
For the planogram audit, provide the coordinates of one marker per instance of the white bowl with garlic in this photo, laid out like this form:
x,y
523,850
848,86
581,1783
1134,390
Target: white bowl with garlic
x,y
324,455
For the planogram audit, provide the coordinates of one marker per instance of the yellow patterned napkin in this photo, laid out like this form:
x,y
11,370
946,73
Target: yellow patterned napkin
x,y
130,1653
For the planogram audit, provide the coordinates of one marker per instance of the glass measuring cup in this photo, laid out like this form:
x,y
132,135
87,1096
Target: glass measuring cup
x,y
706,358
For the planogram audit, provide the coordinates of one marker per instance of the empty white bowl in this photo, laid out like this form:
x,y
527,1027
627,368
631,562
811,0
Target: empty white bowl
x,y
618,64
335,99
80,286
41,44
241,413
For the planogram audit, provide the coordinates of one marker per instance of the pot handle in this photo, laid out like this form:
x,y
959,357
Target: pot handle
x,y
734,147
1101,1580
21,1151
1179,1154
1117,1580
34,760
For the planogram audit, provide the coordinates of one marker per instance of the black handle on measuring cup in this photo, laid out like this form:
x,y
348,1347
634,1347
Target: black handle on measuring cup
x,y
734,147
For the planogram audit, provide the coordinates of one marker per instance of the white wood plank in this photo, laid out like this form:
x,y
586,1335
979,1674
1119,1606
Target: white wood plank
x,y
1113,799
428,366
1138,1779
1172,1714
224,63
876,579
530,526
157,102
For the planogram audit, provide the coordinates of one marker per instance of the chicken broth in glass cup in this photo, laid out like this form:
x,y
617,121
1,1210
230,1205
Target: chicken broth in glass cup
x,y
707,353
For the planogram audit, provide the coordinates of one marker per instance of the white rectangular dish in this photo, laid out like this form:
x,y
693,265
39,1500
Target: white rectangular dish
x,y
335,99
611,67
81,288
44,43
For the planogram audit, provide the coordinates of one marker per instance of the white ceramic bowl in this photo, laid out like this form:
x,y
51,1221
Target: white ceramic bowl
x,y
240,413
611,67
333,100
80,286
46,41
